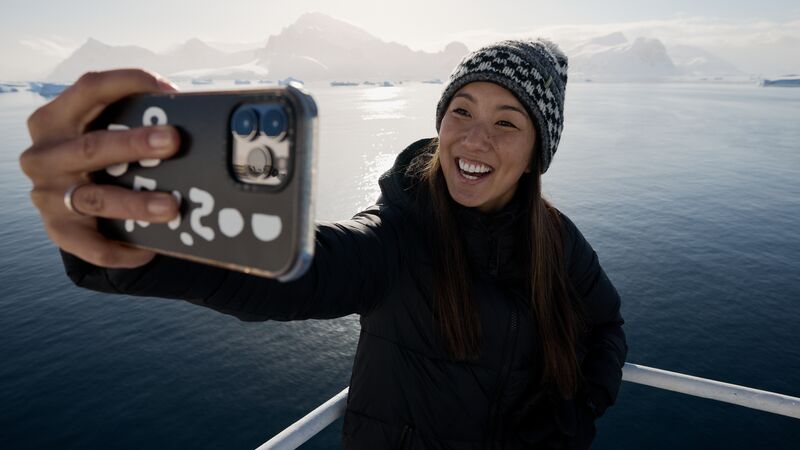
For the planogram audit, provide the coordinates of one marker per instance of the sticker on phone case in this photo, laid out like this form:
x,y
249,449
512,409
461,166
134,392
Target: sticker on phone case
x,y
231,222
206,201
266,227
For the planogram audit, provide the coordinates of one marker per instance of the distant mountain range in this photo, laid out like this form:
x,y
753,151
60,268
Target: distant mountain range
x,y
614,57
319,47
192,55
315,47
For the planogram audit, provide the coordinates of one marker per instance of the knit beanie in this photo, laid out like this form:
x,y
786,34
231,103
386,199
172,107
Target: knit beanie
x,y
535,71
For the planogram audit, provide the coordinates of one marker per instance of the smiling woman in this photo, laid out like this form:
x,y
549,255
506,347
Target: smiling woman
x,y
485,145
486,319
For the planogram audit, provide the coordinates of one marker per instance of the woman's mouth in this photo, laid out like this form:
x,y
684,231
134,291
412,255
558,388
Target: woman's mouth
x,y
472,170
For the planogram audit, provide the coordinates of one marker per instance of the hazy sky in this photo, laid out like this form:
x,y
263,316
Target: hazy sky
x,y
743,29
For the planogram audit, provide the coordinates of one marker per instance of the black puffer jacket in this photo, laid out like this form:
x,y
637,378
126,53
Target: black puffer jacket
x,y
404,391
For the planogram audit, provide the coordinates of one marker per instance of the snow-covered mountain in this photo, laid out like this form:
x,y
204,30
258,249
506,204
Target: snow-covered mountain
x,y
95,55
193,54
614,57
695,61
315,47
196,54
320,47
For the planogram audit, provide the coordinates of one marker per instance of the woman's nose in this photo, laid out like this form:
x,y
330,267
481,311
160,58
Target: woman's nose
x,y
478,136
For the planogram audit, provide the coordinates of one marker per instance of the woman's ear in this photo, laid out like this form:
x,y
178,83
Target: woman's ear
x,y
530,163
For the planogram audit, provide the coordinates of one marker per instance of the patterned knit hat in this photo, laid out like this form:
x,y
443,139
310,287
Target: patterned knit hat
x,y
535,71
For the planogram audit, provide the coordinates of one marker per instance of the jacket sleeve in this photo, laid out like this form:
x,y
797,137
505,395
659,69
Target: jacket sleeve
x,y
355,261
604,341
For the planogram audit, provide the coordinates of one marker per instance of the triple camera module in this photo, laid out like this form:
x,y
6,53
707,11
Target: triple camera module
x,y
261,150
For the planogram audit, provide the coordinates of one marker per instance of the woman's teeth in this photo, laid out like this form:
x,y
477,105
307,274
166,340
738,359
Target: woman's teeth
x,y
473,171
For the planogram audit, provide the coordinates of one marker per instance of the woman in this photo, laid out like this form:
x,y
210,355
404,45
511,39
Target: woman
x,y
486,319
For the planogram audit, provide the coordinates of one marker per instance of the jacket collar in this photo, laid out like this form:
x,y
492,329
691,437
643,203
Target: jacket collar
x,y
493,241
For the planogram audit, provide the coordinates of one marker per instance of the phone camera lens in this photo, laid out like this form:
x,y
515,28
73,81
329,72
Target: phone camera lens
x,y
274,123
244,123
259,162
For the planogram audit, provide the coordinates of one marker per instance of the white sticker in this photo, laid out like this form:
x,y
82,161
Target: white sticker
x,y
187,239
206,201
149,162
176,222
266,227
154,116
231,222
117,170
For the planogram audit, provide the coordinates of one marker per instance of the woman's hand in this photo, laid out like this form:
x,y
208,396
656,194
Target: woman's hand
x,y
63,154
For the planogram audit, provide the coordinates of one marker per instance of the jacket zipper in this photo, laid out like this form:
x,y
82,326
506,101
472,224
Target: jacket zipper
x,y
505,372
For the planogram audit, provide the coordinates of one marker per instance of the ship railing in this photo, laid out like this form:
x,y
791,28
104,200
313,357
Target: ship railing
x,y
315,421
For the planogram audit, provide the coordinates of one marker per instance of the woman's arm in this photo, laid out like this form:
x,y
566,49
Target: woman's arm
x,y
355,261
605,344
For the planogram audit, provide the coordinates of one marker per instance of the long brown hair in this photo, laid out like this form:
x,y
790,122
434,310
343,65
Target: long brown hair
x,y
551,294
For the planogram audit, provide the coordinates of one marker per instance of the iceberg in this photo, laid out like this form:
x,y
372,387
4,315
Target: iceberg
x,y
289,80
48,90
787,81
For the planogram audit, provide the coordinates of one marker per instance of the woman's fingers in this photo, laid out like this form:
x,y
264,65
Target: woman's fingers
x,y
97,150
83,241
106,201
114,202
63,155
68,114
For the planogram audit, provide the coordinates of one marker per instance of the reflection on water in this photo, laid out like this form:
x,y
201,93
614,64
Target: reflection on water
x,y
375,165
382,103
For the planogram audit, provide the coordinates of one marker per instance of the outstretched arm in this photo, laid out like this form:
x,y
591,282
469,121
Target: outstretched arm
x,y
354,263
354,260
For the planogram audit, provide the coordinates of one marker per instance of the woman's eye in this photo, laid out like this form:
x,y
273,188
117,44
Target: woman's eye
x,y
461,111
505,123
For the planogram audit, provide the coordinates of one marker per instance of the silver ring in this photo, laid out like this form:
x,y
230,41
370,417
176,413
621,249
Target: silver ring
x,y
68,197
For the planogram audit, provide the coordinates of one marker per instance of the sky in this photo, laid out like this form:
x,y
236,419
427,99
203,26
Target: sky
x,y
750,33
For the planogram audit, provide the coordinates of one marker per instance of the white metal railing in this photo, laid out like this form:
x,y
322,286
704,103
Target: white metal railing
x,y
315,421
715,390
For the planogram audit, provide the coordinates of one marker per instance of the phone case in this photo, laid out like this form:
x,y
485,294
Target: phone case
x,y
263,230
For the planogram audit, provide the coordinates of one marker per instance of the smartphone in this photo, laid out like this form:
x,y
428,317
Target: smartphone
x,y
244,177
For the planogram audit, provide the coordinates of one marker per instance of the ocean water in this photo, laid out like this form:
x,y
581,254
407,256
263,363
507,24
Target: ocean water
x,y
689,193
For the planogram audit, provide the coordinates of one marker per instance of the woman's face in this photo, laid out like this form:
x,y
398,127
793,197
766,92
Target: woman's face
x,y
485,145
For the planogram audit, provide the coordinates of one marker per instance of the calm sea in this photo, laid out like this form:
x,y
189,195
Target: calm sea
x,y
689,193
